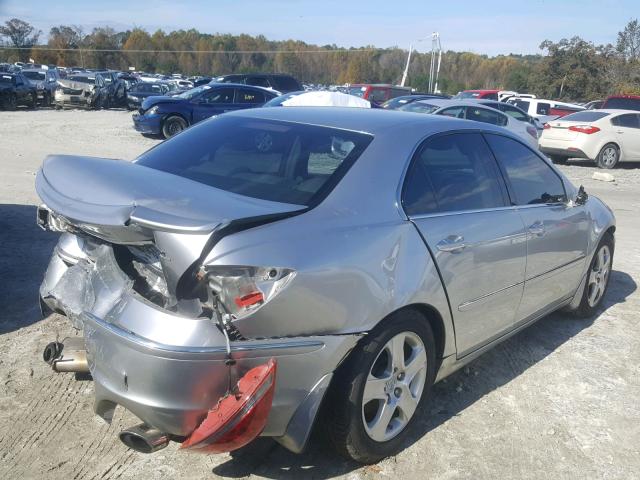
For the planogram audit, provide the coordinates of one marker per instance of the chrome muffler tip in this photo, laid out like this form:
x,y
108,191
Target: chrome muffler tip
x,y
143,438
67,356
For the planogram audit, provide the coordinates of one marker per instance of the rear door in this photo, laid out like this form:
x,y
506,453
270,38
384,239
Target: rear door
x,y
213,102
627,129
455,196
556,232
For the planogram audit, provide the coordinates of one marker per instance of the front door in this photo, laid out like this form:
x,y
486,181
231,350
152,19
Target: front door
x,y
455,196
557,232
212,102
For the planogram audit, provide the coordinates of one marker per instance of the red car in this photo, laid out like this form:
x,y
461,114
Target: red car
x,y
623,102
484,94
378,93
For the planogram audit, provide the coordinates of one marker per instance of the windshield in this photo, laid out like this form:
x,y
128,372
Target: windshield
x,y
149,88
265,159
623,104
357,91
194,92
82,79
418,107
397,102
586,116
34,75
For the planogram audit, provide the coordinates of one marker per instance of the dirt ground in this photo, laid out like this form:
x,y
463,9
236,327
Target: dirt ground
x,y
561,400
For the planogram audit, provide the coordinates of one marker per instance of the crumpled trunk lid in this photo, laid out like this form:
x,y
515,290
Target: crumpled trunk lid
x,y
141,211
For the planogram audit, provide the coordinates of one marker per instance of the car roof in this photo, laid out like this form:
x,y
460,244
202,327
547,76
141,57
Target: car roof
x,y
365,120
611,111
240,85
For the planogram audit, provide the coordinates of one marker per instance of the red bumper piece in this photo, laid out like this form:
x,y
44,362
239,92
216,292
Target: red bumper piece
x,y
239,417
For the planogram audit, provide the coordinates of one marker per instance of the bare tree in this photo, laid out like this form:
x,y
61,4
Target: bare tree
x,y
21,35
629,41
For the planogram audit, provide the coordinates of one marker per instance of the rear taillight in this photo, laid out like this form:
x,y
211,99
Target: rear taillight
x,y
546,126
588,129
241,290
240,416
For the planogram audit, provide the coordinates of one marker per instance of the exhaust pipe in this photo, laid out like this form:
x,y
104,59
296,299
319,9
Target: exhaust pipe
x,y
67,356
143,438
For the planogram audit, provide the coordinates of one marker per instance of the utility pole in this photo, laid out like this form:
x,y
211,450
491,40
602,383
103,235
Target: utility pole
x,y
406,68
434,71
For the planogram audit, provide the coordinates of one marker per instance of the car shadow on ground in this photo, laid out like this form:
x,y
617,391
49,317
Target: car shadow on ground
x,y
495,368
24,254
577,162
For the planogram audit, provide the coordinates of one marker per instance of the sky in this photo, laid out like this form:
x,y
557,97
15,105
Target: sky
x,y
488,26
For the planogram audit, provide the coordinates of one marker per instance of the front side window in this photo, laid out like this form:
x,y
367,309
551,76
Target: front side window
x,y
455,112
265,159
515,113
219,95
532,180
486,116
453,173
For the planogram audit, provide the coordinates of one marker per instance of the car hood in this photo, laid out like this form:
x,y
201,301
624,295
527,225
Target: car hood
x,y
123,197
76,85
155,100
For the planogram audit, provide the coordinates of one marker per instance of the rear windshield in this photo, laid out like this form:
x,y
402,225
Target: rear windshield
x,y
265,159
586,116
467,95
81,79
623,103
34,75
285,84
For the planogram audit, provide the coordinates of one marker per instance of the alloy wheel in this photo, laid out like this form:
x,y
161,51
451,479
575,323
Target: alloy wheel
x,y
609,156
599,276
394,386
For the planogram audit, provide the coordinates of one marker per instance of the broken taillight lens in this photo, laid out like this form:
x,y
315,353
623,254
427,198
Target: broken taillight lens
x,y
244,289
239,417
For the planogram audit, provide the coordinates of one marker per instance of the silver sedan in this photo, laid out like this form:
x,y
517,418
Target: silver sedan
x,y
270,267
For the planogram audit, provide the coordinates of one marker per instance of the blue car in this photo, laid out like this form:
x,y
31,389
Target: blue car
x,y
168,116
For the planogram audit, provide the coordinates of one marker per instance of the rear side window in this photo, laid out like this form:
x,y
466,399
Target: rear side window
x,y
455,112
532,180
377,95
258,82
543,108
515,113
486,116
453,173
265,159
249,96
285,84
628,120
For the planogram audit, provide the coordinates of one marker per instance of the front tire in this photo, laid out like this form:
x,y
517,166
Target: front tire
x,y
381,388
172,126
609,156
598,277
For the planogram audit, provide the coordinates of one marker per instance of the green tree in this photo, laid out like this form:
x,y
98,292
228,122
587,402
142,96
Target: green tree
x,y
21,35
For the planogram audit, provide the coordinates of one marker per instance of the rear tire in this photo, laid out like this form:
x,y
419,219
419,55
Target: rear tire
x,y
173,125
34,101
11,102
598,277
382,387
609,156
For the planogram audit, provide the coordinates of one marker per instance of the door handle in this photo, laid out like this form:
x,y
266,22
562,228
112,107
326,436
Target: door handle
x,y
537,228
619,131
451,244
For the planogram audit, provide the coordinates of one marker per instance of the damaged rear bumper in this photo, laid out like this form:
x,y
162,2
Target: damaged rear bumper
x,y
170,370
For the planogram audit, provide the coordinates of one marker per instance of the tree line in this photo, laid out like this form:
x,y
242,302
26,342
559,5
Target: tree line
x,y
570,69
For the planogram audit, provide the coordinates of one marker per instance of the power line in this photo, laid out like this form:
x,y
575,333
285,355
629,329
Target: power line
x,y
244,52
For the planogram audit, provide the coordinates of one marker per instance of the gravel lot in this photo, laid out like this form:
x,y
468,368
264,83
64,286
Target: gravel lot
x,y
559,400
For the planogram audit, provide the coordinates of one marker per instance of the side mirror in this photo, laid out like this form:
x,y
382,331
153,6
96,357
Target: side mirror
x,y
581,197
